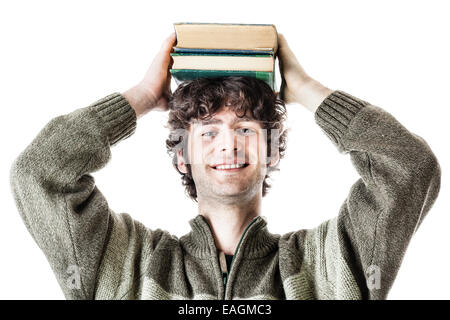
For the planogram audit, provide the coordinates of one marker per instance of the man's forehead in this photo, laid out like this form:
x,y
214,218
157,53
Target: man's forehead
x,y
225,115
217,120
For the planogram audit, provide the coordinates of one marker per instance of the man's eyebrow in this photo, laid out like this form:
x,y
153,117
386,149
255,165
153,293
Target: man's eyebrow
x,y
217,121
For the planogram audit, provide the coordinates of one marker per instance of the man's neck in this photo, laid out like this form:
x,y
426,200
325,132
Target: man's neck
x,y
228,221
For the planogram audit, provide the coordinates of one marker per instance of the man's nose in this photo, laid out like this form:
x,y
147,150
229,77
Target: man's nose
x,y
230,141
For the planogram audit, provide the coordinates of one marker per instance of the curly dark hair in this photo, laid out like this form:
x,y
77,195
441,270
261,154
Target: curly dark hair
x,y
200,99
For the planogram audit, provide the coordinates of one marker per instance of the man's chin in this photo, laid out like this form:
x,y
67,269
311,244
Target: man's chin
x,y
233,193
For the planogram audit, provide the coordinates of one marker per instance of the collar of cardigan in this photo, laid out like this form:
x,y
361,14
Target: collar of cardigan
x,y
256,241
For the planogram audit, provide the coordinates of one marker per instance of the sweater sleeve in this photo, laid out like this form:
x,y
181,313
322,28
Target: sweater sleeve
x,y
399,182
56,196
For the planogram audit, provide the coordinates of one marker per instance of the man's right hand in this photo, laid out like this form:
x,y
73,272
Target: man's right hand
x,y
153,92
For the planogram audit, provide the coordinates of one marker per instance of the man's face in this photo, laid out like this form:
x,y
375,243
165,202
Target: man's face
x,y
227,156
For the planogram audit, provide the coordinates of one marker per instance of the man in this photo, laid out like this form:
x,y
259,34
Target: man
x,y
224,160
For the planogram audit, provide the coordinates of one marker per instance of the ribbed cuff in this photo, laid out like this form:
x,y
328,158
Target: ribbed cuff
x,y
119,119
336,112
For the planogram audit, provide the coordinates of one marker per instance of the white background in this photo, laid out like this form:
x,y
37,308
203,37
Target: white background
x,y
57,56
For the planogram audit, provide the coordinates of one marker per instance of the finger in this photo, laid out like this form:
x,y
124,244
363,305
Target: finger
x,y
163,57
283,46
169,42
281,40
161,63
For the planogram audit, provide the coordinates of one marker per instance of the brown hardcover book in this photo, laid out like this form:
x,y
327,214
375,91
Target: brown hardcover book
x,y
226,36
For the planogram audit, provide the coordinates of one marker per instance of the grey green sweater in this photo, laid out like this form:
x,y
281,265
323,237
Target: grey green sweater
x,y
96,253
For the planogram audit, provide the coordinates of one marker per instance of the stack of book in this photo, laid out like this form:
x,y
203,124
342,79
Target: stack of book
x,y
209,50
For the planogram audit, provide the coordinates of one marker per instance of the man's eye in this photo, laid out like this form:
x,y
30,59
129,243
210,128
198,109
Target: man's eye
x,y
246,131
209,134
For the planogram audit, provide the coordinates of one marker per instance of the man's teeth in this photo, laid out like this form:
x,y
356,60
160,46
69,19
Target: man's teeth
x,y
230,166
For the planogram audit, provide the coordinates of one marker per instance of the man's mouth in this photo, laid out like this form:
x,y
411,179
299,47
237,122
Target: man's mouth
x,y
229,167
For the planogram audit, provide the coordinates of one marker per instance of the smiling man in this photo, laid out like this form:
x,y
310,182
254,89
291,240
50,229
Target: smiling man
x,y
221,143
223,155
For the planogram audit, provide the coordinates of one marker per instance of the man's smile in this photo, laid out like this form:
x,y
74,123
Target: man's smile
x,y
229,168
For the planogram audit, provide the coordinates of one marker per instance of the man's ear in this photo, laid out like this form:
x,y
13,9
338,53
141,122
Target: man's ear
x,y
274,159
181,163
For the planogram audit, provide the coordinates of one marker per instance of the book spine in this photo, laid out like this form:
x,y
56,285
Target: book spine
x,y
223,51
185,54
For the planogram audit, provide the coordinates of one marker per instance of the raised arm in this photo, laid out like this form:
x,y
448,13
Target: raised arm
x,y
56,196
400,180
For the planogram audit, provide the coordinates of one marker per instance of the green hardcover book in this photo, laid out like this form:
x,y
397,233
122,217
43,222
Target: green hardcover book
x,y
207,61
181,75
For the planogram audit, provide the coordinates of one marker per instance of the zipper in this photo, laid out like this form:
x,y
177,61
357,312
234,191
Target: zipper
x,y
223,262
223,267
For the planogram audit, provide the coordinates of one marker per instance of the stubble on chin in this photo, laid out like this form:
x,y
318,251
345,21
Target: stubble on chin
x,y
227,192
